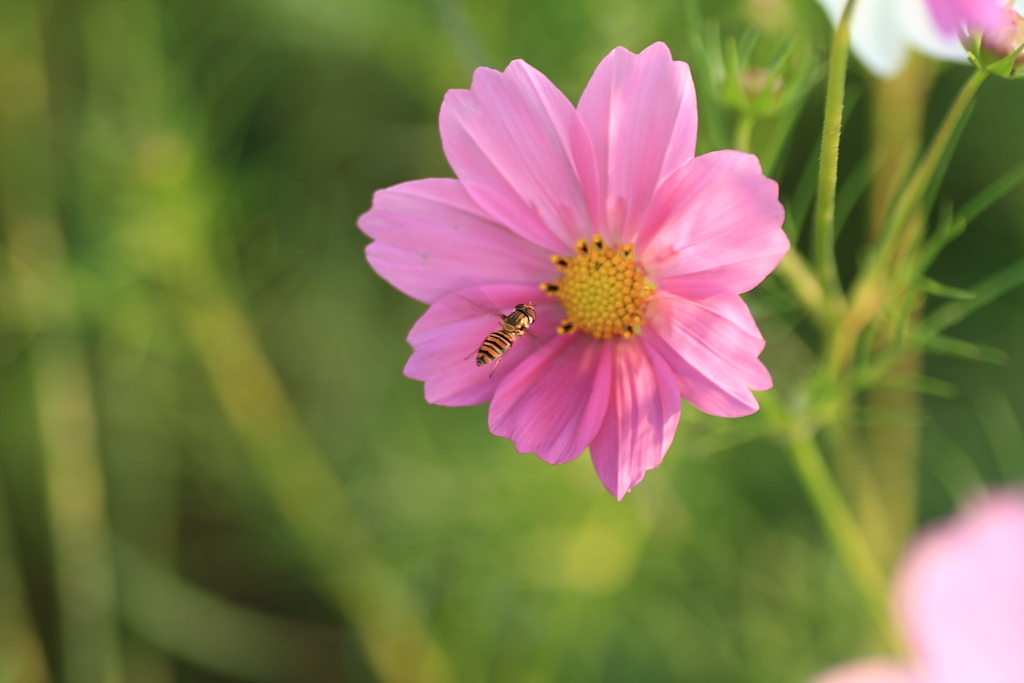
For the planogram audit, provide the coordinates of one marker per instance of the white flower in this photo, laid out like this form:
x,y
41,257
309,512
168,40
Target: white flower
x,y
885,32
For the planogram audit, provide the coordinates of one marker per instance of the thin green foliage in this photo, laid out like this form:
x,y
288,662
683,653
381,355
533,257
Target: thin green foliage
x,y
988,290
205,421
959,348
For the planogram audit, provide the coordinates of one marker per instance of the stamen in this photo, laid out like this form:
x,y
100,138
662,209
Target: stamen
x,y
603,290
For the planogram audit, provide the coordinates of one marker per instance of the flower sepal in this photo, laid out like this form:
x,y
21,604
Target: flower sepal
x,y
764,91
999,51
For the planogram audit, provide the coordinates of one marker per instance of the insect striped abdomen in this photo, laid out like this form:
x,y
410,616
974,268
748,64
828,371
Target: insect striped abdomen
x,y
494,346
513,325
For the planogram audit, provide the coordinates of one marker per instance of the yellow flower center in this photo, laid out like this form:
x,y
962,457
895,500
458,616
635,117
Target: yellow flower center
x,y
603,290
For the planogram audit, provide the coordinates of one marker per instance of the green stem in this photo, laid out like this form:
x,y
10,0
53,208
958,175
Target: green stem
x,y
312,499
871,289
884,488
167,233
46,298
828,170
744,133
798,276
21,647
911,197
843,532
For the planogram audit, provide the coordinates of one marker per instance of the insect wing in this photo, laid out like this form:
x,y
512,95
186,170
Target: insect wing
x,y
476,306
473,303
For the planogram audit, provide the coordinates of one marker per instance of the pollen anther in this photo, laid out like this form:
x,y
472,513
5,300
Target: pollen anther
x,y
603,290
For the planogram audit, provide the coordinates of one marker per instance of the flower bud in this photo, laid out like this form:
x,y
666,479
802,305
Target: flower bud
x,y
998,48
1007,39
757,82
760,90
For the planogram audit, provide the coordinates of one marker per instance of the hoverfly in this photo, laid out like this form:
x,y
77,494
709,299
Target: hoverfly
x,y
497,343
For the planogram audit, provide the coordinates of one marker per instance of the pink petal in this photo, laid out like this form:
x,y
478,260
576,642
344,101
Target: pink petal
x,y
961,593
523,154
641,112
869,671
714,224
954,15
643,412
446,338
712,346
431,239
556,400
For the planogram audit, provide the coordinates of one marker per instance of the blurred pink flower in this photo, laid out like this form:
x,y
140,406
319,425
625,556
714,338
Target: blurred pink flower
x,y
952,16
642,248
960,595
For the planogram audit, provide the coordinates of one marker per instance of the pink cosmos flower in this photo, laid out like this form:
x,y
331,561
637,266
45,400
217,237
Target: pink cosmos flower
x,y
624,242
960,594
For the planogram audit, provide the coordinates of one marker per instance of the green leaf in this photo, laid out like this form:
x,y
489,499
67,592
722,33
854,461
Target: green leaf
x,y
852,191
951,226
987,291
922,384
931,193
709,72
798,208
991,194
948,228
950,346
936,288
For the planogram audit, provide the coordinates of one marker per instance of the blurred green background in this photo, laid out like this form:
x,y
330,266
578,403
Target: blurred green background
x,y
211,466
